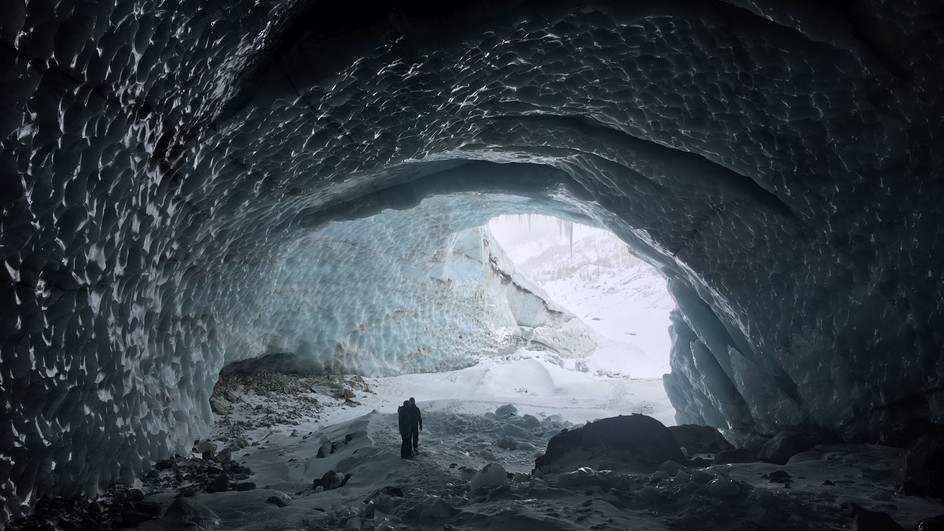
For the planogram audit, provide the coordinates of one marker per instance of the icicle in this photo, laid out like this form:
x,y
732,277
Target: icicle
x,y
569,229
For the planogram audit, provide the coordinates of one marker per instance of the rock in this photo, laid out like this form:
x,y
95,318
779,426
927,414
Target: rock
x,y
187,492
637,442
225,455
132,518
324,450
700,439
671,468
244,486
206,446
207,455
906,433
383,493
431,511
345,393
934,523
874,521
530,421
220,483
219,407
193,512
507,443
506,411
785,444
279,500
516,431
331,479
723,488
739,455
147,507
525,446
779,476
491,476
164,464
923,473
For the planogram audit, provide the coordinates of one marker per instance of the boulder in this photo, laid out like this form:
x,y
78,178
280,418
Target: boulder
x,y
924,467
192,512
220,483
634,442
785,444
204,447
324,450
700,439
506,411
331,479
279,500
738,455
491,476
874,521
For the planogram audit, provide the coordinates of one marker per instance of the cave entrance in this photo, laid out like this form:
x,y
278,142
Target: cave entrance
x,y
593,274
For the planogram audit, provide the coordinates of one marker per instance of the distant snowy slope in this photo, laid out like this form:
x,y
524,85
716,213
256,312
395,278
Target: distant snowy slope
x,y
592,273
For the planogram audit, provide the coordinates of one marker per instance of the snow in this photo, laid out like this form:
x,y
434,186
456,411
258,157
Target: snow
x,y
468,476
592,273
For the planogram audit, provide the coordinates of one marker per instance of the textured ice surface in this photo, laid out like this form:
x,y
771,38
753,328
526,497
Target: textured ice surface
x,y
780,164
402,291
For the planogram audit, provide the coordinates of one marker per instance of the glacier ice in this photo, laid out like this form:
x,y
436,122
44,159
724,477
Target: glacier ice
x,y
163,164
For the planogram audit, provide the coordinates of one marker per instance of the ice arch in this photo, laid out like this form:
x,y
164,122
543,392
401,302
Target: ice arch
x,y
781,165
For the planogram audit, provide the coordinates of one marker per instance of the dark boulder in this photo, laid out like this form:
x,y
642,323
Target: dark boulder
x,y
634,442
738,455
784,445
874,521
331,479
924,467
220,483
700,439
191,512
244,486
904,434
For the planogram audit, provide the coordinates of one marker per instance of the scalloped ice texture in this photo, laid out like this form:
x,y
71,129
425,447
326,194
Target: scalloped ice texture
x,y
161,161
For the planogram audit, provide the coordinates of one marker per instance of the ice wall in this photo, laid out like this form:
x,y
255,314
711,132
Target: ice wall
x,y
421,290
780,164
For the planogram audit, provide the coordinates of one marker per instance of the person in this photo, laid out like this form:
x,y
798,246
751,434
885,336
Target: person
x,y
405,425
416,424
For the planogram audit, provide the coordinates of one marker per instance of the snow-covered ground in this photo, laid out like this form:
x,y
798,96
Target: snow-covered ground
x,y
454,482
591,272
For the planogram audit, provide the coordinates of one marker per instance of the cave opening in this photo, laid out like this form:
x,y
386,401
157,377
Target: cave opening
x,y
592,273
429,293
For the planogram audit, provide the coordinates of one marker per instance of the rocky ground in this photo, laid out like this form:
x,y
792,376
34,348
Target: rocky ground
x,y
313,453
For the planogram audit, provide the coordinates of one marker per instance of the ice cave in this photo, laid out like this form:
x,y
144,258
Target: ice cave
x,y
191,186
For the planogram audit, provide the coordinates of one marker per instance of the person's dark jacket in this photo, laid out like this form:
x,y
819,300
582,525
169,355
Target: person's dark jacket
x,y
416,418
405,420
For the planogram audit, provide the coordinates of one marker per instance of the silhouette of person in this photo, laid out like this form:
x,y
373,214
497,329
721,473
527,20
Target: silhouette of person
x,y
406,434
416,423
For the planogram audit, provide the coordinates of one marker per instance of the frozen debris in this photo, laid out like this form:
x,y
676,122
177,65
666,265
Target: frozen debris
x,y
508,410
491,476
